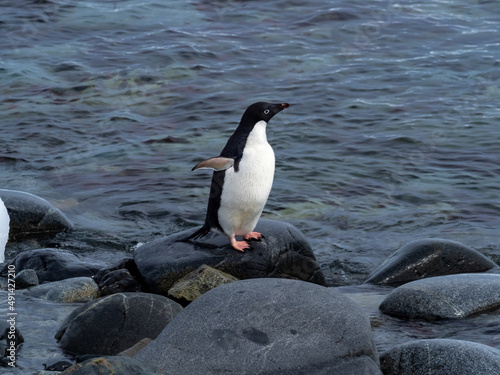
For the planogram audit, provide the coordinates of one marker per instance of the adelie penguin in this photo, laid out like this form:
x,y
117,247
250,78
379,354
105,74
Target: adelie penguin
x,y
242,179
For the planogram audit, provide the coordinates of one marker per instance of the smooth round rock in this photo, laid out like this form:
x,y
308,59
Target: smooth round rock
x,y
110,365
283,253
26,278
51,264
76,289
444,297
441,357
31,215
111,324
428,258
266,326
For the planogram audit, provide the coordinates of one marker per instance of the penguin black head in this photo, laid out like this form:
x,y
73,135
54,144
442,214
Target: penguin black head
x,y
261,111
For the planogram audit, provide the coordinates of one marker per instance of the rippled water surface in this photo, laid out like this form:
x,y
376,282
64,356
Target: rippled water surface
x,y
391,134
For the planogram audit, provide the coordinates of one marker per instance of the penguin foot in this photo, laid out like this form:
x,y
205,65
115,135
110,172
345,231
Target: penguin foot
x,y
253,236
240,245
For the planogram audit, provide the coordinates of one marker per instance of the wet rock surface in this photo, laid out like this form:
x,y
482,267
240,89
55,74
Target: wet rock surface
x,y
441,357
114,323
198,282
266,326
427,258
31,215
26,278
119,278
51,264
444,297
77,289
283,253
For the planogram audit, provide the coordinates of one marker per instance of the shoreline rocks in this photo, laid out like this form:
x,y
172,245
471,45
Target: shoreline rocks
x,y
444,297
26,278
76,289
426,258
31,215
198,282
266,326
114,323
441,357
120,278
283,253
51,264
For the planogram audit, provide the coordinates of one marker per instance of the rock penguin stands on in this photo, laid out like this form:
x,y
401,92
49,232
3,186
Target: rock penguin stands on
x,y
242,179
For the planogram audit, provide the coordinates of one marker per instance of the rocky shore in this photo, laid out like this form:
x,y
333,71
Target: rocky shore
x,y
199,307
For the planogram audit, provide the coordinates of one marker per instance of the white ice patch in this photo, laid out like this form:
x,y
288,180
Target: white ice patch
x,y
4,229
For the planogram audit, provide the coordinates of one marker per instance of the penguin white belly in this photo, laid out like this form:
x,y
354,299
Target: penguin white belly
x,y
245,192
4,229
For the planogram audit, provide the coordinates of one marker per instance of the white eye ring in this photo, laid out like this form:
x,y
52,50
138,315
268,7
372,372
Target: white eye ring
x,y
266,111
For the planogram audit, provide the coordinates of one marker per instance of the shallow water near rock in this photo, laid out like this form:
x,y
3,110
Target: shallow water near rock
x,y
389,331
391,135
37,320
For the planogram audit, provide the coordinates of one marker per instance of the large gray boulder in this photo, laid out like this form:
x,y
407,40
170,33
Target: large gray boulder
x,y
51,264
111,324
444,297
266,326
283,253
441,357
427,258
31,215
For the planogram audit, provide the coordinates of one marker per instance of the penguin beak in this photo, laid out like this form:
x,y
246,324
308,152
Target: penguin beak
x,y
279,107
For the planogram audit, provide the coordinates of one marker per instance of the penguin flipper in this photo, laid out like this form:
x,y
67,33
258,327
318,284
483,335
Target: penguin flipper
x,y
218,163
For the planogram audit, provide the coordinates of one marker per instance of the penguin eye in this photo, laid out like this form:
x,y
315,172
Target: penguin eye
x,y
266,111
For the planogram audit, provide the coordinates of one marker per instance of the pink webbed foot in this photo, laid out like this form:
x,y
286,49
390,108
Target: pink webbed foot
x,y
239,245
253,236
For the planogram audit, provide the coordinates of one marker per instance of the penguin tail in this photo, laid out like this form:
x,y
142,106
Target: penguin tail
x,y
201,232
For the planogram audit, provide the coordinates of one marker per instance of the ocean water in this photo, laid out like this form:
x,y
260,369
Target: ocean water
x,y
391,135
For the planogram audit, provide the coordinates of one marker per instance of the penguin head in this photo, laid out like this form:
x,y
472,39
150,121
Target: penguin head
x,y
261,111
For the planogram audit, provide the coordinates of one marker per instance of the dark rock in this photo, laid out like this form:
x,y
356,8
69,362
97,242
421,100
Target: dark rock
x,y
26,278
198,282
444,297
110,365
283,253
118,279
51,264
428,258
31,215
126,263
441,357
76,289
266,326
57,364
114,323
9,334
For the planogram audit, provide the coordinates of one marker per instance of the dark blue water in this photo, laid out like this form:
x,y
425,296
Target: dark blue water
x,y
391,135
